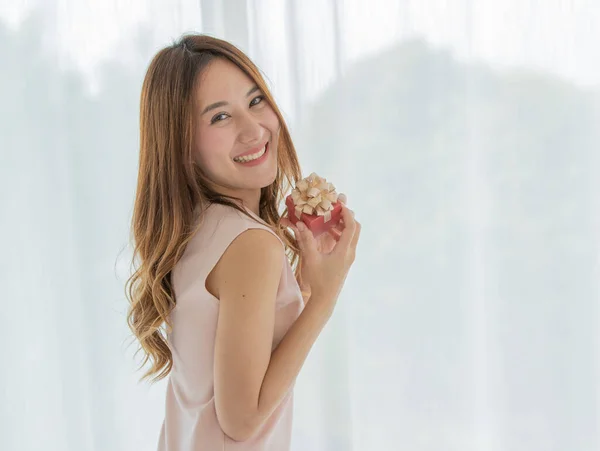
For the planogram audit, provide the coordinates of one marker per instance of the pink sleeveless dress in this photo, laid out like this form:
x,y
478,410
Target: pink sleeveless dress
x,y
190,422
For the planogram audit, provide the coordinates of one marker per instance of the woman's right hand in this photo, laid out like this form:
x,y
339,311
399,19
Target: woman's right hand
x,y
325,272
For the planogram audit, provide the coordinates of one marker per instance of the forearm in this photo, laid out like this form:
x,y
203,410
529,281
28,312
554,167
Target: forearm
x,y
287,359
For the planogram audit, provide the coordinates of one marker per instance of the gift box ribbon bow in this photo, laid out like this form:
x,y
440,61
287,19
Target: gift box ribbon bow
x,y
313,195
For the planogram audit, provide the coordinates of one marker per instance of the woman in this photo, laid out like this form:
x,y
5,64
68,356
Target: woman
x,y
215,259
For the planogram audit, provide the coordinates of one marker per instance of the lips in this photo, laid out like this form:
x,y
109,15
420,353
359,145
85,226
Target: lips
x,y
251,151
254,160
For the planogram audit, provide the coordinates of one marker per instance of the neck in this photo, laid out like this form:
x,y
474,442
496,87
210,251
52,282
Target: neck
x,y
250,199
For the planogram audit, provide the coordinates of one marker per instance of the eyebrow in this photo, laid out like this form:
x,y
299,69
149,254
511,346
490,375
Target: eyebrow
x,y
215,105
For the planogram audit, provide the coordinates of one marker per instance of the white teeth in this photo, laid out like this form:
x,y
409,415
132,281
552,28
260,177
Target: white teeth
x,y
254,156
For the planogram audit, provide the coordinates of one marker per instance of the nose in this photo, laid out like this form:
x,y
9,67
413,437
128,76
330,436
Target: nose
x,y
250,131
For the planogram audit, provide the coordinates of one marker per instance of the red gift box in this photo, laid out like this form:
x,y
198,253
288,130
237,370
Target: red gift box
x,y
315,195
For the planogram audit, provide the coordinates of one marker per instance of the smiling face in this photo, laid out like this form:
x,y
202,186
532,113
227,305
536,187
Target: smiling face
x,y
232,120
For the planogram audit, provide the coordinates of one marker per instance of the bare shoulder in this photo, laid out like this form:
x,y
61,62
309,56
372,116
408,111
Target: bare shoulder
x,y
254,255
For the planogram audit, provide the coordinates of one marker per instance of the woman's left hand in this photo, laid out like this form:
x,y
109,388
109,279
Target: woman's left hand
x,y
326,241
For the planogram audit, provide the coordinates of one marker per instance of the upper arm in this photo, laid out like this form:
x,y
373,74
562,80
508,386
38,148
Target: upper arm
x,y
246,279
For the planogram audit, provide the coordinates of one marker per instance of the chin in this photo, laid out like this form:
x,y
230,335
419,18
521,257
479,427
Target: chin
x,y
269,178
268,182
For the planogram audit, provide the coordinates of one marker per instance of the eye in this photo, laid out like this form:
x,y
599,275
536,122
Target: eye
x,y
219,117
257,100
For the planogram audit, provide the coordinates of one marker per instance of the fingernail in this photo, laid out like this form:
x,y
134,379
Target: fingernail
x,y
301,226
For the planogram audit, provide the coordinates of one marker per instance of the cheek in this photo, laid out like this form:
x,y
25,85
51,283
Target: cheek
x,y
212,146
273,123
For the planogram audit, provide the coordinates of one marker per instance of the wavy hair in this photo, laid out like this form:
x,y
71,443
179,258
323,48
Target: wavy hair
x,y
170,186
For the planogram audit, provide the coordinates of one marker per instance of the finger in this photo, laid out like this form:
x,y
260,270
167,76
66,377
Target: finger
x,y
285,222
343,198
348,232
306,239
335,233
296,233
356,235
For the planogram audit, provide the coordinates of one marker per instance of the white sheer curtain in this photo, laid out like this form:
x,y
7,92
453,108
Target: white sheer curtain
x,y
466,136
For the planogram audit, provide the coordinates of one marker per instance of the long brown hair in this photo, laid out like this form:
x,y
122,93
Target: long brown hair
x,y
171,187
